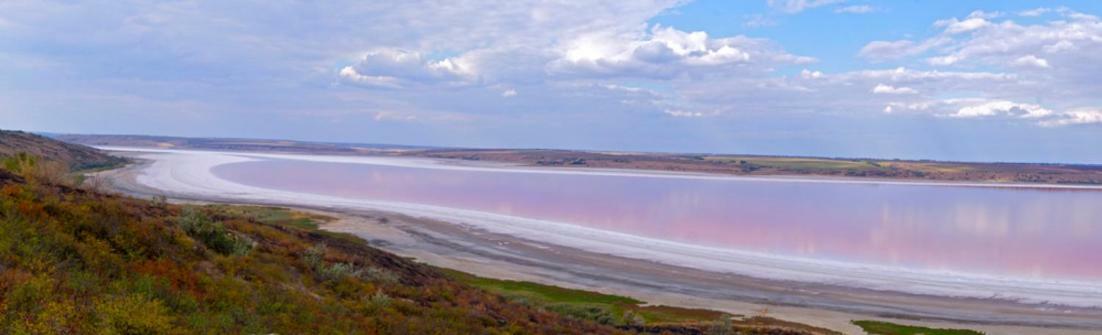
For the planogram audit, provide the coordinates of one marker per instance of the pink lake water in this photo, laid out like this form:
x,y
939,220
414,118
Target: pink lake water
x,y
1043,233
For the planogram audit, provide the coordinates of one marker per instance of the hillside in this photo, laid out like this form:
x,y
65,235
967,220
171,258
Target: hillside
x,y
75,156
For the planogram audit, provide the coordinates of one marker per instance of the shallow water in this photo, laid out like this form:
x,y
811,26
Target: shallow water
x,y
1038,233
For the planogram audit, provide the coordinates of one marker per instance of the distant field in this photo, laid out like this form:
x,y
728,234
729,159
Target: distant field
x,y
788,166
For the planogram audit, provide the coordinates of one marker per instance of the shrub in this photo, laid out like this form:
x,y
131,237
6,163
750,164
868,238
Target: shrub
x,y
379,275
36,170
592,313
133,314
633,319
379,299
213,234
314,257
723,326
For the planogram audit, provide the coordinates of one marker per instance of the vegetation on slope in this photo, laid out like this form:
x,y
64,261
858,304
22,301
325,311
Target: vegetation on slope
x,y
632,314
70,156
887,328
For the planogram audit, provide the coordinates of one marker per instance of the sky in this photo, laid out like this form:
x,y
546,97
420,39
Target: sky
x,y
947,80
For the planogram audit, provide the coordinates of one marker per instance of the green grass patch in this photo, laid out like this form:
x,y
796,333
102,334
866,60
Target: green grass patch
x,y
276,216
887,328
543,292
603,308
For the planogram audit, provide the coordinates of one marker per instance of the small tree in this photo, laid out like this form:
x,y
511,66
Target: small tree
x,y
33,169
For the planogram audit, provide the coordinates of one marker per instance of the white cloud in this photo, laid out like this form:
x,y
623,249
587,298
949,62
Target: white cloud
x,y
983,109
665,52
399,68
808,74
509,93
998,110
393,116
943,60
1076,117
954,26
796,6
350,74
1031,60
855,9
974,21
888,89
1077,38
905,74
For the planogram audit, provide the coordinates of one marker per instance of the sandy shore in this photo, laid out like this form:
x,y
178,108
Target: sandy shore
x,y
470,248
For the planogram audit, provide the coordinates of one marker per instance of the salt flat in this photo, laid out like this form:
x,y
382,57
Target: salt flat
x,y
848,286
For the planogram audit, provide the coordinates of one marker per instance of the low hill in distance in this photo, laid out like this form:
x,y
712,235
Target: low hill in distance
x,y
229,144
75,156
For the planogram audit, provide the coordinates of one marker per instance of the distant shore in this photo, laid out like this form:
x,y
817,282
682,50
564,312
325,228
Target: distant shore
x,y
455,245
515,167
1048,175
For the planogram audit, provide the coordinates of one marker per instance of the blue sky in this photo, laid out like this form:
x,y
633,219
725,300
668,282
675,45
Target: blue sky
x,y
957,80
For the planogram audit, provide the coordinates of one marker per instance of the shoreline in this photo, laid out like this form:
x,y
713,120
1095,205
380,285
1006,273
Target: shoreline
x,y
497,166
454,245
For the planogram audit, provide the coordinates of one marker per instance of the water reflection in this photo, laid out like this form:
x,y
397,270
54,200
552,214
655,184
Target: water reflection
x,y
1021,231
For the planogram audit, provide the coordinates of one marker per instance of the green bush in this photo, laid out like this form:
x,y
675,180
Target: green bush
x,y
213,234
134,314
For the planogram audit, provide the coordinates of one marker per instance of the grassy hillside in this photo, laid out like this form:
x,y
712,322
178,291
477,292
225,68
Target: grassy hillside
x,y
72,156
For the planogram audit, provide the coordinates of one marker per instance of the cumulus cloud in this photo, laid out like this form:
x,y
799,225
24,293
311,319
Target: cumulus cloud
x,y
1031,60
1075,117
398,68
1054,59
954,26
665,52
998,110
1040,46
994,108
888,89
